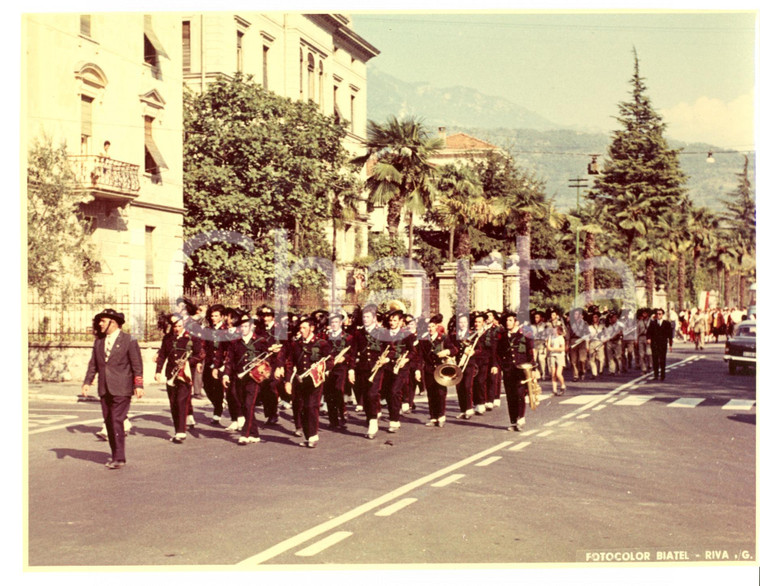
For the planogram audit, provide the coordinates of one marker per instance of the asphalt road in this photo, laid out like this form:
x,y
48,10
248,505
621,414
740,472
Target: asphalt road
x,y
622,469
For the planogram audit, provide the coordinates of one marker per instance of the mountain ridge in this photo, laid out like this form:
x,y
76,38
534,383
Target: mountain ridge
x,y
554,153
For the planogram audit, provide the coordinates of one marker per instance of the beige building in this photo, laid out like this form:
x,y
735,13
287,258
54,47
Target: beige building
x,y
109,86
314,57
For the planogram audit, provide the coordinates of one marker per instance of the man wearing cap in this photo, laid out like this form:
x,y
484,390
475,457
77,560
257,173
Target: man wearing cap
x,y
369,344
493,330
340,349
396,375
311,358
237,371
270,396
434,349
182,354
117,361
512,350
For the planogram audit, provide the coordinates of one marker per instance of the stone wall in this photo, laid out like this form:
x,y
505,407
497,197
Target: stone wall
x,y
55,362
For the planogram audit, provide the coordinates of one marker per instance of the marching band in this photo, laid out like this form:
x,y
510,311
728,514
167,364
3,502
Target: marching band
x,y
323,363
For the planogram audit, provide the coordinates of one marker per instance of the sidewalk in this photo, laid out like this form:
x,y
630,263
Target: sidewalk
x,y
70,392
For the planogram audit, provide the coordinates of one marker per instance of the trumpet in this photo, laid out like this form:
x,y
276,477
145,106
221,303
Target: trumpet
x,y
401,362
466,355
534,389
259,366
379,363
179,367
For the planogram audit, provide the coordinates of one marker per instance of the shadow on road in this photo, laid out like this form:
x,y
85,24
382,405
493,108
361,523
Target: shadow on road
x,y
750,418
87,455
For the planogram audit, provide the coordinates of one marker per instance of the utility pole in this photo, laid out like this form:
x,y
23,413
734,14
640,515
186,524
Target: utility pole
x,y
577,183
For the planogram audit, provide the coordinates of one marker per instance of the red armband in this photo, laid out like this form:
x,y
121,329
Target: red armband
x,y
138,382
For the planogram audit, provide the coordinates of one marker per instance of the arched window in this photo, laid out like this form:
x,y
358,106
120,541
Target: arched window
x,y
311,76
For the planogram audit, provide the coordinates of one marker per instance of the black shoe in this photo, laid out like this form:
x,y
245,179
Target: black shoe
x,y
662,377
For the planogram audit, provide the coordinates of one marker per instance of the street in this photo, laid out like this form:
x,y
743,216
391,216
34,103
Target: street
x,y
621,469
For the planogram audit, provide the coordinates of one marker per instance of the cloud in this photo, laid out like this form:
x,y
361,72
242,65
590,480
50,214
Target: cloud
x,y
729,125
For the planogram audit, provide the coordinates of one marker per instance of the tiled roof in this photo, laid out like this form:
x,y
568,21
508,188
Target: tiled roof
x,y
464,142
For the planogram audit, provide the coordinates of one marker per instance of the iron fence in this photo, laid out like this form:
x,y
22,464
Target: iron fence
x,y
64,317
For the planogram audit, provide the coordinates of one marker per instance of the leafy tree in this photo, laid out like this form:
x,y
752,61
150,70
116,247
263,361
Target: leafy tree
x,y
60,253
255,161
401,175
740,223
641,177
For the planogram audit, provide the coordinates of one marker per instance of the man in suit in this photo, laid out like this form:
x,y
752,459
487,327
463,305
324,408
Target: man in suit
x,y
117,361
659,337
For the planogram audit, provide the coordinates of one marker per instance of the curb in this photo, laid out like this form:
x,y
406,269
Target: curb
x,y
74,398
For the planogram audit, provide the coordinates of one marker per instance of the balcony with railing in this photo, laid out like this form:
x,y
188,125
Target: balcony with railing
x,y
106,178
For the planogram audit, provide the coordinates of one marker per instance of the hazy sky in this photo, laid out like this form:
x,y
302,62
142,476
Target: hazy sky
x,y
575,68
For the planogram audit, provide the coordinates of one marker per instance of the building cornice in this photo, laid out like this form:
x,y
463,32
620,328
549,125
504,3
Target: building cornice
x,y
344,36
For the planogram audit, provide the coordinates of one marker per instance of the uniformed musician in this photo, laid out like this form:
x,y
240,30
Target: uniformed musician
x,y
335,385
269,393
491,337
433,350
182,354
311,358
369,344
396,375
512,350
237,371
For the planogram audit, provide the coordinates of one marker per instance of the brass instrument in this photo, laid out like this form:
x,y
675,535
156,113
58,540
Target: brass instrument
x,y
467,355
448,374
259,368
379,363
308,371
534,389
179,367
401,362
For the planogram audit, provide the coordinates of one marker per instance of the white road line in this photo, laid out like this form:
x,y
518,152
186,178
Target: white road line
x,y
688,402
331,524
98,421
599,407
634,400
529,432
739,405
550,423
388,511
579,400
545,433
584,415
567,423
519,446
489,461
447,481
323,544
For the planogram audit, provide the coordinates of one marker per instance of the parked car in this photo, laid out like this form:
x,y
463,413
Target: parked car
x,y
740,350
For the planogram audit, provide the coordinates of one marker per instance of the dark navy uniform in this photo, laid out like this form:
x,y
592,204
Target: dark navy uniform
x,y
512,350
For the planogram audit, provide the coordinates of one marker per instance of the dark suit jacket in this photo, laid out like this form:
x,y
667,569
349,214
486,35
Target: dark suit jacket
x,y
123,372
660,336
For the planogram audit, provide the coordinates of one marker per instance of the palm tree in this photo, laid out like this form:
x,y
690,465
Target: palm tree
x,y
702,226
651,252
401,175
460,206
675,223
